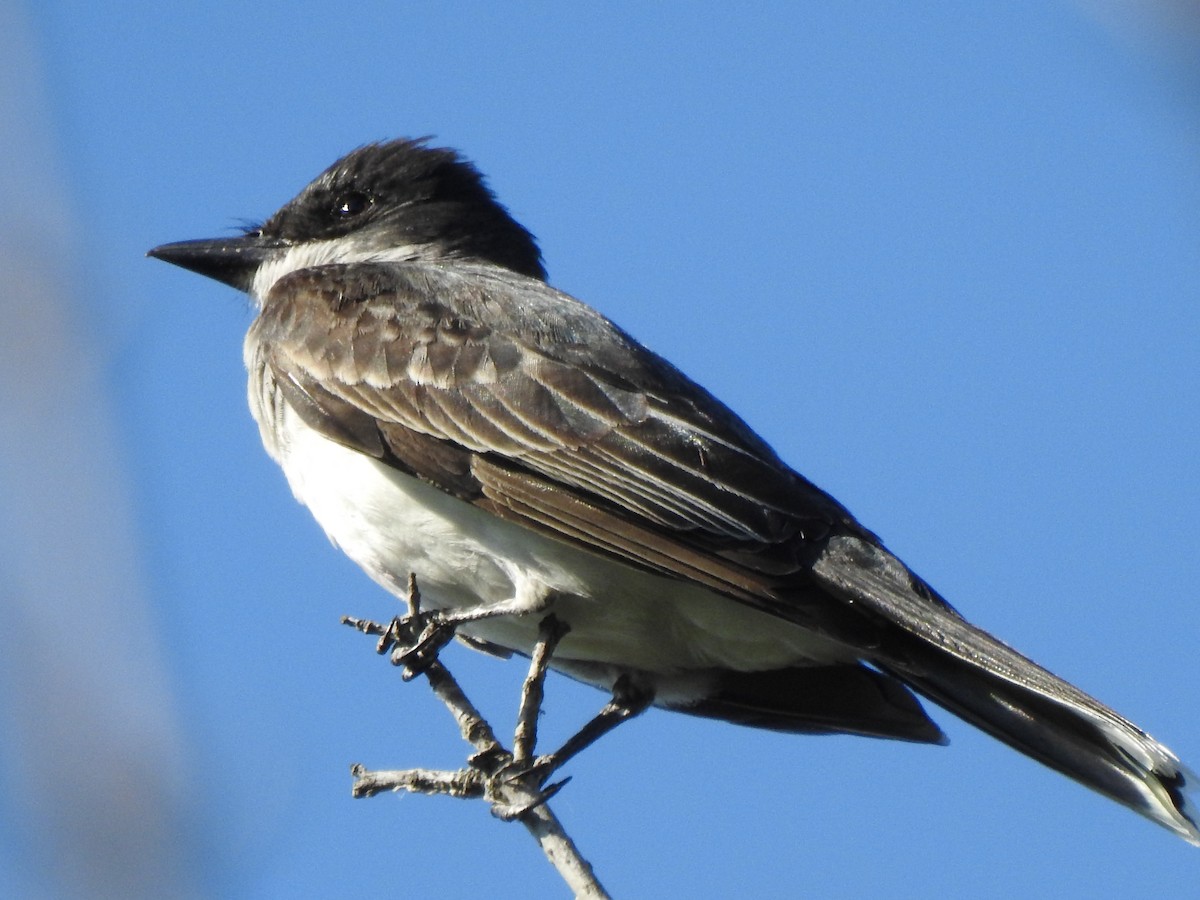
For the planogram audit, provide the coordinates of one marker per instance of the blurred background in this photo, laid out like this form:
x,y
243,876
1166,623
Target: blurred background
x,y
944,257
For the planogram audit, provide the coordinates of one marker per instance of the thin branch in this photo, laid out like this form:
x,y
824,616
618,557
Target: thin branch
x,y
474,729
563,854
538,820
514,789
466,783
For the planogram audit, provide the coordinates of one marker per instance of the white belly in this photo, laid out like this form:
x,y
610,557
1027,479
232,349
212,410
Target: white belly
x,y
621,618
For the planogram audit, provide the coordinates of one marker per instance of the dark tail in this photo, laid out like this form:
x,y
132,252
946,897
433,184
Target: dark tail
x,y
933,649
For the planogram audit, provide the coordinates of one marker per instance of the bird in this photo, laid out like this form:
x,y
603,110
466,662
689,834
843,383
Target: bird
x,y
442,410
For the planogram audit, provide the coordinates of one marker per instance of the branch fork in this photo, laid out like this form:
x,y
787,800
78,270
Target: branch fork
x,y
512,782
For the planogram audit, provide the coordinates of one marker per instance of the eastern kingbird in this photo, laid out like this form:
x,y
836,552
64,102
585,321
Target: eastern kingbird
x,y
442,410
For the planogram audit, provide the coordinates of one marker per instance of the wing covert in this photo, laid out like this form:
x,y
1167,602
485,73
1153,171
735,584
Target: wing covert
x,y
503,366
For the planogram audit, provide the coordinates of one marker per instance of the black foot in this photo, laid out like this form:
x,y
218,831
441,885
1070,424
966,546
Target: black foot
x,y
513,789
414,640
628,700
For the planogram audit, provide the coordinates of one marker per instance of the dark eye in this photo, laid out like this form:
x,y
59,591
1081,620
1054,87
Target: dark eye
x,y
350,204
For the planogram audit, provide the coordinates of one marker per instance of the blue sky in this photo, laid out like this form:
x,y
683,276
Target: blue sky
x,y
943,256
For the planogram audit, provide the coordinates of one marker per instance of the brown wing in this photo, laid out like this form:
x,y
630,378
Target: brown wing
x,y
514,396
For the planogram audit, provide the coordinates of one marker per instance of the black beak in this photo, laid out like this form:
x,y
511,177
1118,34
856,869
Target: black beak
x,y
232,261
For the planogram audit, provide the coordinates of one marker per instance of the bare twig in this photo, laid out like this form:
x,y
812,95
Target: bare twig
x,y
538,819
474,729
467,783
514,789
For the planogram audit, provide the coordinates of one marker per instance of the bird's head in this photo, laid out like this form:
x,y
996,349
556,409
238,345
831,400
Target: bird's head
x,y
395,201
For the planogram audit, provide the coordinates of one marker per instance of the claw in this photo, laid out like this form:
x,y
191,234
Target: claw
x,y
491,761
417,655
530,798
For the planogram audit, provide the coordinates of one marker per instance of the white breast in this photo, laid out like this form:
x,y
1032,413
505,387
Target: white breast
x,y
621,618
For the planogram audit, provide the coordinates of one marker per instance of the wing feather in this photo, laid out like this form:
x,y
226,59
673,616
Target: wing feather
x,y
509,368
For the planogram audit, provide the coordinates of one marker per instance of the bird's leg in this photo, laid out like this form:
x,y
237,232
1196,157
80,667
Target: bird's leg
x,y
509,787
419,636
527,774
628,700
550,632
